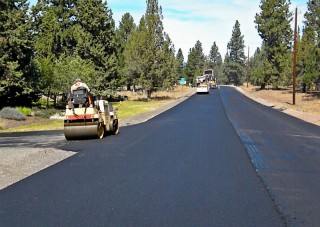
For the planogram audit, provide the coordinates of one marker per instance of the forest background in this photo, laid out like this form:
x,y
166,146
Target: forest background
x,y
43,48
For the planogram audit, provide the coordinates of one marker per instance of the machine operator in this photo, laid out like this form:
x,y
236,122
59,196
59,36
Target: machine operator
x,y
77,83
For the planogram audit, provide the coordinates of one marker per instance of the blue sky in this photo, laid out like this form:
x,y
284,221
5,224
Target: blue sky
x,y
205,20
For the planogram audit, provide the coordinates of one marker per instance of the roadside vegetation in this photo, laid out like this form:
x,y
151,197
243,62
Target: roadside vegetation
x,y
46,46
39,119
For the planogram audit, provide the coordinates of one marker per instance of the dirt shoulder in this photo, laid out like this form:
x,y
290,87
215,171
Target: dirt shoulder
x,y
306,108
19,163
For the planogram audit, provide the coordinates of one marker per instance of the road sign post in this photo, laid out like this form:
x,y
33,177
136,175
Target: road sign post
x,y
183,82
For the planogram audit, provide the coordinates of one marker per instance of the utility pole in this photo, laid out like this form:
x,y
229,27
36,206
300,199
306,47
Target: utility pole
x,y
294,60
248,66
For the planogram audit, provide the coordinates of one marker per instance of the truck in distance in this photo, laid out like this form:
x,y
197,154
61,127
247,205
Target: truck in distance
x,y
203,84
212,78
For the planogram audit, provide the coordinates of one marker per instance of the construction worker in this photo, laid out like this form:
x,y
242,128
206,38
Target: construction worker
x,y
77,83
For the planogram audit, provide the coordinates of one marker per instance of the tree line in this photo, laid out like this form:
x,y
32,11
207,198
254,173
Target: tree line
x,y
43,48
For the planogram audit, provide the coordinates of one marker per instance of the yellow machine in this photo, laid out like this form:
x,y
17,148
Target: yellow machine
x,y
212,79
87,119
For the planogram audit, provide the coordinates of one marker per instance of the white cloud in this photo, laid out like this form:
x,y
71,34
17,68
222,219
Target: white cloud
x,y
210,22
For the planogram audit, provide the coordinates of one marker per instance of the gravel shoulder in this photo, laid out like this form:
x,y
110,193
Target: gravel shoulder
x,y
311,117
17,163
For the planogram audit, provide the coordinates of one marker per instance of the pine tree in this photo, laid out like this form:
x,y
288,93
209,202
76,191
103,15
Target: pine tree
x,y
215,61
17,81
214,56
257,66
123,32
94,36
181,64
169,64
155,39
79,33
236,45
143,54
309,50
234,67
195,63
134,54
273,25
53,38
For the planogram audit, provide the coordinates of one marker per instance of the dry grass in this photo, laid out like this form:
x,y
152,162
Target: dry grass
x,y
30,124
305,102
177,92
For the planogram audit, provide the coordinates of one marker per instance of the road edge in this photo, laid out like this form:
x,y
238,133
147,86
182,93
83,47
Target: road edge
x,y
307,117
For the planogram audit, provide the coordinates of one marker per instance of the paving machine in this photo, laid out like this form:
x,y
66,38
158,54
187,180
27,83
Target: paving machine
x,y
89,119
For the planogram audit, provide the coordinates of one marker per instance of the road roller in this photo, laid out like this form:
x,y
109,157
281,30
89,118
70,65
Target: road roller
x,y
86,119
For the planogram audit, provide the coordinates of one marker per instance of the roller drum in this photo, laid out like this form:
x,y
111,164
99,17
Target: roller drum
x,y
83,132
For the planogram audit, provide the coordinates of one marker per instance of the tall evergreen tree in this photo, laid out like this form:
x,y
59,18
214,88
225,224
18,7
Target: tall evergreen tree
x,y
134,54
273,25
145,48
17,83
181,64
215,61
53,44
169,64
234,67
124,31
79,33
309,51
214,56
236,45
95,42
257,66
155,38
195,63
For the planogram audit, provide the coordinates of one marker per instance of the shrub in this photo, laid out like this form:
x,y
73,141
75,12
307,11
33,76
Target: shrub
x,y
62,104
41,103
25,110
12,113
45,113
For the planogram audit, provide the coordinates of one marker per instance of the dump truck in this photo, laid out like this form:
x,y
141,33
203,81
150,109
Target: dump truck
x,y
85,118
212,79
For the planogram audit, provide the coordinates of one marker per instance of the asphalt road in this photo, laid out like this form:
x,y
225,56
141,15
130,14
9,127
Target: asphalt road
x,y
193,165
286,153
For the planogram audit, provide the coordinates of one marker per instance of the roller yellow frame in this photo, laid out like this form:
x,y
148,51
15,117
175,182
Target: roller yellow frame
x,y
93,121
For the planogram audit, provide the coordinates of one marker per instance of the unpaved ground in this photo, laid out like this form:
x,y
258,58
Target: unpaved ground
x,y
6,123
19,163
307,106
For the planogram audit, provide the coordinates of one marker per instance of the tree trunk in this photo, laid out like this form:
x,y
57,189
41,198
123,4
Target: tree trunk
x,y
304,88
149,94
55,100
48,95
263,86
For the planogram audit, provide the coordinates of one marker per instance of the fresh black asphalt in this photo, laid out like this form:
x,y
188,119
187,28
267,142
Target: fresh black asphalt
x,y
286,153
190,166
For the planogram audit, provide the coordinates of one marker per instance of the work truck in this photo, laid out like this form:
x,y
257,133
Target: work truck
x,y
203,85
